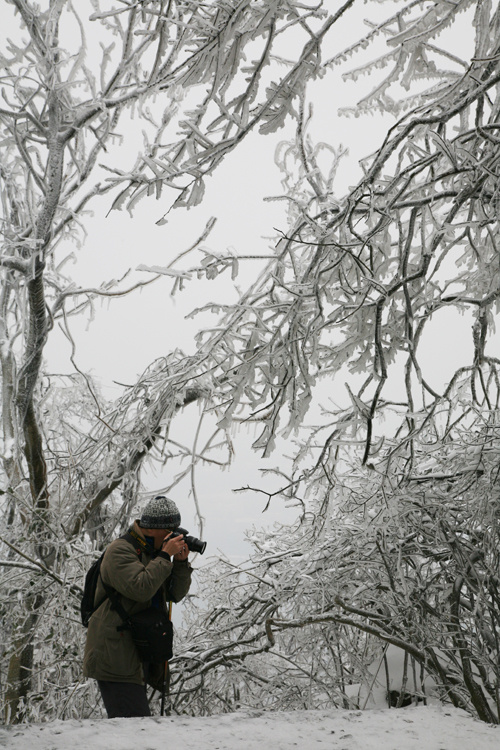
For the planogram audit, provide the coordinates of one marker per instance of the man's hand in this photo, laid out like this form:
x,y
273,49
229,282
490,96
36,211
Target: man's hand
x,y
183,553
175,546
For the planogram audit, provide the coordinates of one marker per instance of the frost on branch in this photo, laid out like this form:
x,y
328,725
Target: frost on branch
x,y
398,537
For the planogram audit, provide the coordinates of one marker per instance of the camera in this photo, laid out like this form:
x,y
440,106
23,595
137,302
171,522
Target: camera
x,y
194,544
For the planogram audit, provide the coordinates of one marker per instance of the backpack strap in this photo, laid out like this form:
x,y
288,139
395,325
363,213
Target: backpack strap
x,y
114,598
132,538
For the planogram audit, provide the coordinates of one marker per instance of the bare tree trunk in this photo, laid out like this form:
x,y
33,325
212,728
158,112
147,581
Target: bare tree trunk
x,y
21,662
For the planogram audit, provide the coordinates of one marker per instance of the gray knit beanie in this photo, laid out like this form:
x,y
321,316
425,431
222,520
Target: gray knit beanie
x,y
160,513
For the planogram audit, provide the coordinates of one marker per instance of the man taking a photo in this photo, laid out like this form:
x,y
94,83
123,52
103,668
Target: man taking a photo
x,y
147,568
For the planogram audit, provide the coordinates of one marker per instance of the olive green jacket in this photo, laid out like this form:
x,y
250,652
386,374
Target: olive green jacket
x,y
110,654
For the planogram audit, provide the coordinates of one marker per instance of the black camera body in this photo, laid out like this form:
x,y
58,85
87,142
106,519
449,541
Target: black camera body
x,y
194,544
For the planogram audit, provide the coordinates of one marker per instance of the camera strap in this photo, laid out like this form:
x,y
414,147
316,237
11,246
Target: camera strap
x,y
136,541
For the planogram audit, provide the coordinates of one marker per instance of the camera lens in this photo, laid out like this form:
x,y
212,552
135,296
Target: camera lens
x,y
196,545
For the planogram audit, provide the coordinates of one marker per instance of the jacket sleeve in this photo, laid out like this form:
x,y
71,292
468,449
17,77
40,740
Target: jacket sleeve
x,y
180,581
122,569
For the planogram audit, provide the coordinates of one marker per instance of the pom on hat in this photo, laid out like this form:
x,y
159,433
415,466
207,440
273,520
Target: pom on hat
x,y
160,513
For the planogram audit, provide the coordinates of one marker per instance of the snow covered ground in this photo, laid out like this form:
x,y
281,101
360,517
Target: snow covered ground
x,y
425,728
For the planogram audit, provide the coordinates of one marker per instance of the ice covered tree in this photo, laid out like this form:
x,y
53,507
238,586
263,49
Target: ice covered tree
x,y
76,80
410,566
396,476
399,475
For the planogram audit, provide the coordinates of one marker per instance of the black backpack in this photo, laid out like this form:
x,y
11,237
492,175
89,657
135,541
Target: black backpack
x,y
87,607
